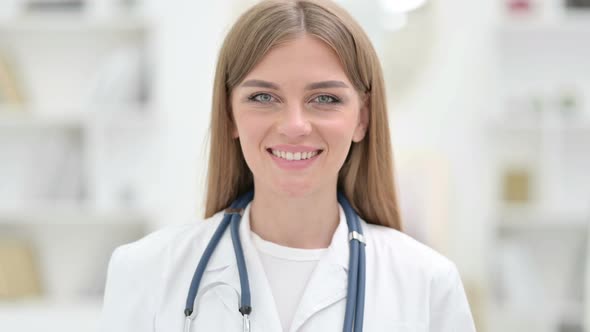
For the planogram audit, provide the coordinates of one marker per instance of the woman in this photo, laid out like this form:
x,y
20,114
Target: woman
x,y
299,116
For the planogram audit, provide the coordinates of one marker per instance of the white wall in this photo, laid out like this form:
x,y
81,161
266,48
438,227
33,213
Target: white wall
x,y
445,113
190,36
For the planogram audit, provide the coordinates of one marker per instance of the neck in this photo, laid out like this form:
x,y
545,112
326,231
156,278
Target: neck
x,y
307,222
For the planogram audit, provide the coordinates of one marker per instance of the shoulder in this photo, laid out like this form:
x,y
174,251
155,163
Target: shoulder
x,y
431,279
144,263
136,270
159,243
402,252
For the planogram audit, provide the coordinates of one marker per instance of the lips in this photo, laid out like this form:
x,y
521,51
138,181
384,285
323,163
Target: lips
x,y
294,156
294,147
294,164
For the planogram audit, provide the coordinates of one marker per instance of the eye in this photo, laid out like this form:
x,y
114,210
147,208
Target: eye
x,y
326,99
261,98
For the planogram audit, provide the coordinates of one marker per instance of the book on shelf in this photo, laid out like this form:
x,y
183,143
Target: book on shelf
x,y
18,270
62,177
121,79
516,185
53,6
10,89
577,4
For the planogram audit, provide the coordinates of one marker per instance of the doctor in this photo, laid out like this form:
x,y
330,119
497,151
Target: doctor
x,y
299,115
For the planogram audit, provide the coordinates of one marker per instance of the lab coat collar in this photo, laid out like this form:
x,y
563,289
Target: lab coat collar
x,y
327,284
223,256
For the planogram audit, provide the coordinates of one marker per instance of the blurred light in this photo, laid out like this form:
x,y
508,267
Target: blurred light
x,y
378,16
394,21
401,6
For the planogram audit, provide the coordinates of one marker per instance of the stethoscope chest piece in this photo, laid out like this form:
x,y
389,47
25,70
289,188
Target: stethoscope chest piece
x,y
246,323
187,324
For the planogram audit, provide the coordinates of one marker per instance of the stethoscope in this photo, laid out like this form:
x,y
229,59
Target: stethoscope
x,y
355,300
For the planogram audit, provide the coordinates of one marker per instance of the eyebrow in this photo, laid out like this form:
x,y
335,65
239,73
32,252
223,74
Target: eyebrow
x,y
326,85
260,84
311,86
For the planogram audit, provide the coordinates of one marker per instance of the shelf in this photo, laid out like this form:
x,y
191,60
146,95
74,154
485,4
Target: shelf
x,y
73,23
71,215
532,126
126,117
50,304
15,117
544,50
574,309
569,26
46,315
512,318
542,221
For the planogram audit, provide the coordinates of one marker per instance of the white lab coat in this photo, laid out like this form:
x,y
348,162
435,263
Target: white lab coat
x,y
409,286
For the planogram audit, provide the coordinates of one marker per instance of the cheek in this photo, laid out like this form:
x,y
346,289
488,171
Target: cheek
x,y
251,131
339,131
242,123
249,137
338,136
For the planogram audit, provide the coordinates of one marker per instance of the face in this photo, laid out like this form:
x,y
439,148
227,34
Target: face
x,y
297,103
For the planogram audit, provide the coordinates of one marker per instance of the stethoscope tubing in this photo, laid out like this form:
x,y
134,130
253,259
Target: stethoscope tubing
x,y
355,300
200,270
356,280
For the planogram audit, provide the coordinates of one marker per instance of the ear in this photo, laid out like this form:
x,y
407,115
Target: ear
x,y
363,123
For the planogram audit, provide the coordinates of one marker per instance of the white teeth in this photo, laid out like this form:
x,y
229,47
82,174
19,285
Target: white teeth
x,y
295,155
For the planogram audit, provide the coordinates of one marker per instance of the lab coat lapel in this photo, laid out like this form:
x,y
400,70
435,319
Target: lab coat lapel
x,y
223,269
265,316
328,283
216,305
220,271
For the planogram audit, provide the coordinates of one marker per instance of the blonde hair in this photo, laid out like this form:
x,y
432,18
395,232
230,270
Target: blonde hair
x,y
366,177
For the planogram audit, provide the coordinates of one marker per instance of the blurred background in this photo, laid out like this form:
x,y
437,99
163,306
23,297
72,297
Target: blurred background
x,y
104,111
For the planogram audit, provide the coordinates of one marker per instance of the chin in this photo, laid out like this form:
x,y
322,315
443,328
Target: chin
x,y
295,188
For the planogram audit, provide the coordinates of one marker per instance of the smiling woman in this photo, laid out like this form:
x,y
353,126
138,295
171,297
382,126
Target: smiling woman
x,y
286,100
301,171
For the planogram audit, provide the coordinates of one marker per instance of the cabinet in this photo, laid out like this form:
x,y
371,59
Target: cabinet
x,y
78,149
539,250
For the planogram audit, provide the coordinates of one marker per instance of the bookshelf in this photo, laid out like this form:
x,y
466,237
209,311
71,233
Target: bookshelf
x,y
75,24
539,246
79,153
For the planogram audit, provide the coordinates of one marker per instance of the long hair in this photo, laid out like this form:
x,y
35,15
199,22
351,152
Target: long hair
x,y
366,177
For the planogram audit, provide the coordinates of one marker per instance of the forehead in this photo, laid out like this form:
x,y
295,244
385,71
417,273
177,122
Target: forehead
x,y
305,58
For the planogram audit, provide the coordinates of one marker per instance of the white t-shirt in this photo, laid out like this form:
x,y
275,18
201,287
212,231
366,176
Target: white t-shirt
x,y
287,270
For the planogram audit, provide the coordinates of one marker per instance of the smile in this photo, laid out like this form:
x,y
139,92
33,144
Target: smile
x,y
294,155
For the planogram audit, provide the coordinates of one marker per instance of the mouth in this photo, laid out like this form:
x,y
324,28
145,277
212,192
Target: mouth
x,y
294,156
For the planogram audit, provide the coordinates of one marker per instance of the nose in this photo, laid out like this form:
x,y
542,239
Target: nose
x,y
294,122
